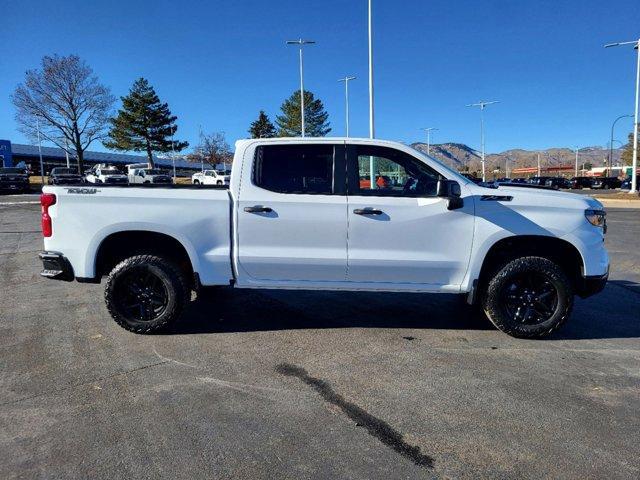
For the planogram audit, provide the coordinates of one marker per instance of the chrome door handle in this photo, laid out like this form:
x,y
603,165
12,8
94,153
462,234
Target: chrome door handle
x,y
367,211
258,209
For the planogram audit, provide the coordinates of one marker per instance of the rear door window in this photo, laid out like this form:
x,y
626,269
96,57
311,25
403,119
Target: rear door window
x,y
295,169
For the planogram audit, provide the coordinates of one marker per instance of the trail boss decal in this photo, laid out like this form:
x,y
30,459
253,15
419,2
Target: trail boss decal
x,y
82,191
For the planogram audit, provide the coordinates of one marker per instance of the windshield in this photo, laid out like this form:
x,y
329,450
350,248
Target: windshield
x,y
12,170
63,171
456,175
153,171
223,172
110,171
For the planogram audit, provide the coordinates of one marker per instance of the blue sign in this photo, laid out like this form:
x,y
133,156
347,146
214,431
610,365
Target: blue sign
x,y
6,159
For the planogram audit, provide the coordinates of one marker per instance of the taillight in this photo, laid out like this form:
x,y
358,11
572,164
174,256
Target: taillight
x,y
46,200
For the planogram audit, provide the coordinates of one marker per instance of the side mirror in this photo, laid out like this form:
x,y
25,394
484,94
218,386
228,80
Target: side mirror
x,y
450,189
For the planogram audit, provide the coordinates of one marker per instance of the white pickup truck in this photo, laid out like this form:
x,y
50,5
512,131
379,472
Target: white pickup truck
x,y
334,214
211,177
140,173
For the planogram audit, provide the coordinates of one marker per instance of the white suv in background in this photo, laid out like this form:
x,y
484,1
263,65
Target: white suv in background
x,y
141,173
211,177
107,174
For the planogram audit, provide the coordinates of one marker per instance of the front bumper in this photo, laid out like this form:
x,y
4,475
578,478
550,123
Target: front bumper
x,y
56,266
591,285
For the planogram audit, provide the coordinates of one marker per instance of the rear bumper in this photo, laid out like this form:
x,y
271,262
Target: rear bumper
x,y
56,266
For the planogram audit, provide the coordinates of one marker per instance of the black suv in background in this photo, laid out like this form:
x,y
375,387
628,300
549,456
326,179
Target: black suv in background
x,y
557,183
540,181
606,182
14,180
578,183
65,176
626,185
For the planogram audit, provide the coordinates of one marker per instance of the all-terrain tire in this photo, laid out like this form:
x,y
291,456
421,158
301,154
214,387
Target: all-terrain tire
x,y
493,299
170,279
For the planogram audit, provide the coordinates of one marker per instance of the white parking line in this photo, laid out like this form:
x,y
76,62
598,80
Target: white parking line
x,y
19,203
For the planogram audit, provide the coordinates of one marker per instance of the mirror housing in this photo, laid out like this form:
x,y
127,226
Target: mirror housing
x,y
450,189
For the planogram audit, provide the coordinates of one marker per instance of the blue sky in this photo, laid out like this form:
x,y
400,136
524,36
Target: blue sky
x,y
218,63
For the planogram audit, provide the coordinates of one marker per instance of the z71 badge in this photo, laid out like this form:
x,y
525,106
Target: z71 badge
x,y
82,190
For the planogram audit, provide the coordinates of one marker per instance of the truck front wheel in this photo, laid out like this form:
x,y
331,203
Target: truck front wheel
x,y
146,293
529,297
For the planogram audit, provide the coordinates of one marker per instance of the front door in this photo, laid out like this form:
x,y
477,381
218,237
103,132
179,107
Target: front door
x,y
292,215
400,232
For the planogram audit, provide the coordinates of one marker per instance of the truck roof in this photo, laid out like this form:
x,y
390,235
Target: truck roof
x,y
369,141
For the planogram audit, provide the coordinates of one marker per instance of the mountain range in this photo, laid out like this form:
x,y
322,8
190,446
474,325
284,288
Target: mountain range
x,y
464,158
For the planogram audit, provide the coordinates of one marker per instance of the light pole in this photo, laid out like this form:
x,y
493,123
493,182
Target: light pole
x,y
634,164
346,100
577,150
372,132
173,156
611,144
538,163
428,132
482,104
301,43
40,150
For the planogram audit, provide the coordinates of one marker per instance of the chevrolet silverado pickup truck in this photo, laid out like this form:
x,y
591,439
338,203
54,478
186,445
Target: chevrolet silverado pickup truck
x,y
297,215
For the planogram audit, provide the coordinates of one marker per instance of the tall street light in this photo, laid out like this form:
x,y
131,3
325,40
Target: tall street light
x,y
482,104
40,150
634,167
577,150
428,132
346,81
372,132
611,144
300,42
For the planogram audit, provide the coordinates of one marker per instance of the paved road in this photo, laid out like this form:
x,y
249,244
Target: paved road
x,y
312,385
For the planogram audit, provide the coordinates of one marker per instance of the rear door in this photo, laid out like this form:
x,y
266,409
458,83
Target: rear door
x,y
400,233
292,215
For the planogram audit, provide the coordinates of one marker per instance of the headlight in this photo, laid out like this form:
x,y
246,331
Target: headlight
x,y
597,218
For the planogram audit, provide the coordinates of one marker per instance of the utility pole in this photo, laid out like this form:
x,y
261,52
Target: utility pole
x,y
538,163
428,132
40,150
346,100
173,156
372,132
577,150
300,42
636,125
482,104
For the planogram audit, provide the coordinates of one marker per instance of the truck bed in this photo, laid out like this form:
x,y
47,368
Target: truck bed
x,y
198,217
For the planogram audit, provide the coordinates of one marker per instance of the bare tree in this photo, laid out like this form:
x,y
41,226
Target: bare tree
x,y
213,149
66,102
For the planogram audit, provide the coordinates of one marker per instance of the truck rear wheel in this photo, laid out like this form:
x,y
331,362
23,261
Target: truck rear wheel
x,y
146,293
529,297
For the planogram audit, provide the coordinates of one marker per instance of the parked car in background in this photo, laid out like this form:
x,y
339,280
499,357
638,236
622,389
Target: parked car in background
x,y
578,183
141,173
539,181
626,183
296,217
14,180
518,180
211,177
382,181
604,183
107,174
557,183
65,176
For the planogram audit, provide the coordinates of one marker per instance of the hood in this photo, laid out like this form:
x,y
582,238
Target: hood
x,y
542,197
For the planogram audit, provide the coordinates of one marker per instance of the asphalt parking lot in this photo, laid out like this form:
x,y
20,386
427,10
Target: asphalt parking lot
x,y
312,385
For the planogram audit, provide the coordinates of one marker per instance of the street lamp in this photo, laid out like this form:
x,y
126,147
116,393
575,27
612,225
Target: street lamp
x,y
428,132
300,42
482,104
40,150
372,132
346,99
611,144
634,167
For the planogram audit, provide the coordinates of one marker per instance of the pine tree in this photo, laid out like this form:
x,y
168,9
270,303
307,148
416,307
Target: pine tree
x,y
315,117
262,127
627,153
143,124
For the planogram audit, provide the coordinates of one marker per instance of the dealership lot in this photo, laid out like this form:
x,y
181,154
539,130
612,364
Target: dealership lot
x,y
312,385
